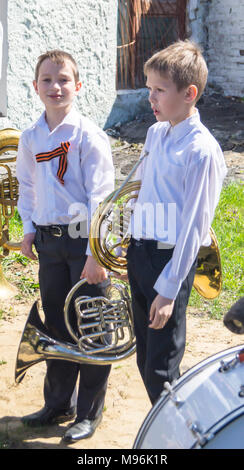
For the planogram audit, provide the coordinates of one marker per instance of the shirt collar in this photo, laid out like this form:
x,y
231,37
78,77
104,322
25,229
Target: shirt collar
x,y
184,127
71,119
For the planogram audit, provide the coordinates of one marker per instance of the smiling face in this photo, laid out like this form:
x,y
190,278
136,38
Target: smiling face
x,y
167,102
56,85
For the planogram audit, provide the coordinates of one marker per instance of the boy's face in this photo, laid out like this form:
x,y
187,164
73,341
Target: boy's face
x,y
169,104
56,85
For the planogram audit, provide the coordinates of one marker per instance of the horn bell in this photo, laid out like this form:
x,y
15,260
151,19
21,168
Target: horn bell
x,y
29,352
208,276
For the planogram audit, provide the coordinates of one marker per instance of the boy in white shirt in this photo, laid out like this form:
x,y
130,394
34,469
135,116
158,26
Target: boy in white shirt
x,y
64,161
181,180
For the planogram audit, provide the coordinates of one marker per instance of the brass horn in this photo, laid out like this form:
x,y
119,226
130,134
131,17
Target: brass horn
x,y
109,238
9,139
104,332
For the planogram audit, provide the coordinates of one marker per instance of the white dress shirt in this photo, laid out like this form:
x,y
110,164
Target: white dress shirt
x,y
89,177
181,183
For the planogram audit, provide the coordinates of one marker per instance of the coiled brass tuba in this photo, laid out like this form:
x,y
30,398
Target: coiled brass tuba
x,y
103,334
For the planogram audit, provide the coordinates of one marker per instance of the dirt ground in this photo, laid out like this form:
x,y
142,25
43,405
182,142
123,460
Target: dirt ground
x,y
126,402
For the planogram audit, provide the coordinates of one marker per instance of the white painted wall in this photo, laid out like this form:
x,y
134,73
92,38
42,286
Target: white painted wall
x,y
4,58
226,45
85,28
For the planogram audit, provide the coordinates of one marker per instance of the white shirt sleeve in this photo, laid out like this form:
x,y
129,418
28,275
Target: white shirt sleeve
x,y
202,190
25,172
98,171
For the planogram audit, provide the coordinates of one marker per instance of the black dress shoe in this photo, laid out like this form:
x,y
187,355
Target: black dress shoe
x,y
81,430
48,416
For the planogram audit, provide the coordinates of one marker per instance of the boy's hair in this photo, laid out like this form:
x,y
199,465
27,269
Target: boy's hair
x,y
183,63
58,57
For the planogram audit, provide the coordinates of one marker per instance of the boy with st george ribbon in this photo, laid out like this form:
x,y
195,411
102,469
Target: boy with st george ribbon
x,y
63,159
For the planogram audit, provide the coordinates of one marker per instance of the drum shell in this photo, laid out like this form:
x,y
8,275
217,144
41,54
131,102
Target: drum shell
x,y
204,410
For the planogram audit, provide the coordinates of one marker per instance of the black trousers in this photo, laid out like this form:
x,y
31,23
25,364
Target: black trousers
x,y
61,260
159,352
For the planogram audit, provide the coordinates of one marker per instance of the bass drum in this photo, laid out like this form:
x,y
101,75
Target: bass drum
x,y
202,409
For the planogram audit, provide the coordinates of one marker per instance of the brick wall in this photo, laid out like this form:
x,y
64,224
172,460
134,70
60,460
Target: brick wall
x,y
218,25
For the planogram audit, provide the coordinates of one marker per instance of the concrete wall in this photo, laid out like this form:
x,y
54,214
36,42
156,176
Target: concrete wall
x,y
85,28
218,25
226,45
197,22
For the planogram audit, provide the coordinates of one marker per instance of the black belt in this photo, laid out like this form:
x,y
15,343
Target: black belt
x,y
143,241
150,243
55,230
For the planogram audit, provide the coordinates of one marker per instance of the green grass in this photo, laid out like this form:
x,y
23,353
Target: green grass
x,y
14,263
16,227
228,225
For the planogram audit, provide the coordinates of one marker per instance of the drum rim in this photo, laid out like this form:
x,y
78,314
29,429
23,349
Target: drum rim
x,y
217,427
165,396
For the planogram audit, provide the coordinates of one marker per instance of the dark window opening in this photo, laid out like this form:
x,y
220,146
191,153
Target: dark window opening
x,y
144,27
